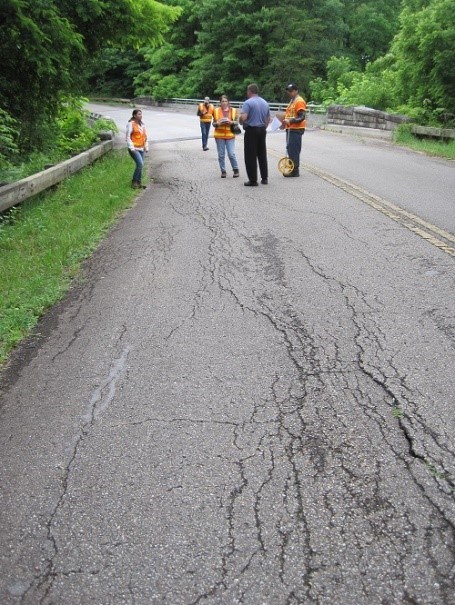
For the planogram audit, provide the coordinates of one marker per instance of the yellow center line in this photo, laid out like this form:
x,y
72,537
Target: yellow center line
x,y
414,223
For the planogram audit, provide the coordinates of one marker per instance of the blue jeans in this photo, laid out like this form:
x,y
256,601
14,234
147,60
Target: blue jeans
x,y
138,157
228,145
294,145
205,129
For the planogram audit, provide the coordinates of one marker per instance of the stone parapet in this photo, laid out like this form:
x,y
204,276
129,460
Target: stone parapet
x,y
363,117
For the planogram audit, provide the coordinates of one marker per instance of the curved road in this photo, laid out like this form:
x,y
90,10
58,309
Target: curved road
x,y
249,398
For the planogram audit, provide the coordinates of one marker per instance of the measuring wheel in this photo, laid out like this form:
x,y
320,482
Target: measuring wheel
x,y
286,165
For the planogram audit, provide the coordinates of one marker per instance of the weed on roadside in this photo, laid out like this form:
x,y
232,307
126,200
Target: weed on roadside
x,y
44,241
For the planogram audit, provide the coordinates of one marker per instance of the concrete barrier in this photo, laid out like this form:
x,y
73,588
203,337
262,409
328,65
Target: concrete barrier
x,y
433,133
364,117
15,193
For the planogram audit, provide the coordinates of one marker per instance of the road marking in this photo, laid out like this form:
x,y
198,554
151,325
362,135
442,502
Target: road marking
x,y
429,232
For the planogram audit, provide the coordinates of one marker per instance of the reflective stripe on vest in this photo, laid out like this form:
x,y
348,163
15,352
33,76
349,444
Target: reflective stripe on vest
x,y
292,110
207,117
224,131
138,135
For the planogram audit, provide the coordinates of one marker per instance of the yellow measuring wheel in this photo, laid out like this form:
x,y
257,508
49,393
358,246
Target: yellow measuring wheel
x,y
285,165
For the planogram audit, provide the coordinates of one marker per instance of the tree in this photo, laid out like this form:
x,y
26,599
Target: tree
x,y
44,45
37,49
112,72
168,65
425,55
371,26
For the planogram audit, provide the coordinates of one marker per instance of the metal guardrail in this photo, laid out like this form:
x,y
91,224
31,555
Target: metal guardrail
x,y
15,193
312,108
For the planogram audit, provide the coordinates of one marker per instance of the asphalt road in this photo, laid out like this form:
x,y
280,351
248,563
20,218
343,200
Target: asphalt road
x,y
247,399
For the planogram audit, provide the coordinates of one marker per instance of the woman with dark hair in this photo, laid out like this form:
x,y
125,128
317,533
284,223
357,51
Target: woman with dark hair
x,y
224,118
136,139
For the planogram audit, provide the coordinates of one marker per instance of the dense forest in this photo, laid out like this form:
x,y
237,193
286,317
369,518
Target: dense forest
x,y
390,54
396,55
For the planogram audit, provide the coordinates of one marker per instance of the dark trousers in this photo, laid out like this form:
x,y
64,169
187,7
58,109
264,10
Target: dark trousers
x,y
255,152
294,145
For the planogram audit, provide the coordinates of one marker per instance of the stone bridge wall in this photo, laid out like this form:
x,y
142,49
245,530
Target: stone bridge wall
x,y
363,117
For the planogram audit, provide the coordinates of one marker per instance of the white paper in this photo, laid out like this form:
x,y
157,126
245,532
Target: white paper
x,y
275,124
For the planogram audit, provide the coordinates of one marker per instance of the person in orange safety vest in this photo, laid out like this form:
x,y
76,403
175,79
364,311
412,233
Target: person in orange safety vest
x,y
295,123
224,118
136,139
205,112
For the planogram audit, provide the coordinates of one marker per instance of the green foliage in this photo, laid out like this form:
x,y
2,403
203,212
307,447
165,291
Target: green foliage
x,y
340,77
103,124
8,138
74,133
38,47
425,55
127,23
416,77
371,28
221,46
43,242
112,71
443,149
45,45
373,88
71,134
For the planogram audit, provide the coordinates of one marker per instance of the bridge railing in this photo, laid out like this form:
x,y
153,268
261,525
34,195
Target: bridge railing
x,y
312,108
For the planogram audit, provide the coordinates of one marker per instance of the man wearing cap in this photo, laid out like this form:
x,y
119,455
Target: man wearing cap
x,y
255,117
205,112
294,122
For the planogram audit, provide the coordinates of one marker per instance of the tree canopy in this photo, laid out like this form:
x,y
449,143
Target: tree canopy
x,y
220,45
388,54
44,45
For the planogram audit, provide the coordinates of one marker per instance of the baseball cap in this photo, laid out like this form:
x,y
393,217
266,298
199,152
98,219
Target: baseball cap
x,y
292,87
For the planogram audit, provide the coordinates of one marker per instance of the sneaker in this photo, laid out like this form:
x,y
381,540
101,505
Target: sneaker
x,y
223,175
236,173
205,149
292,174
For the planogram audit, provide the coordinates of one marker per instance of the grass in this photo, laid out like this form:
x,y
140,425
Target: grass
x,y
428,146
44,241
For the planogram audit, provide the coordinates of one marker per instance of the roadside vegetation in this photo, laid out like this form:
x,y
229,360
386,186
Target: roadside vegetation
x,y
72,134
44,241
443,149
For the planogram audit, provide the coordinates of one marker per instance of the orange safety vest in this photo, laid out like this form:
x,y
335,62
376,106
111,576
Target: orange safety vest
x,y
206,117
224,131
293,109
138,135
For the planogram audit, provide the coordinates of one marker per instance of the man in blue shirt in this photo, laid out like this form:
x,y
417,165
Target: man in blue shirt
x,y
255,117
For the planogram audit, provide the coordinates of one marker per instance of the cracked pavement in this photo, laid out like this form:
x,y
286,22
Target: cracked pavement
x,y
247,399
